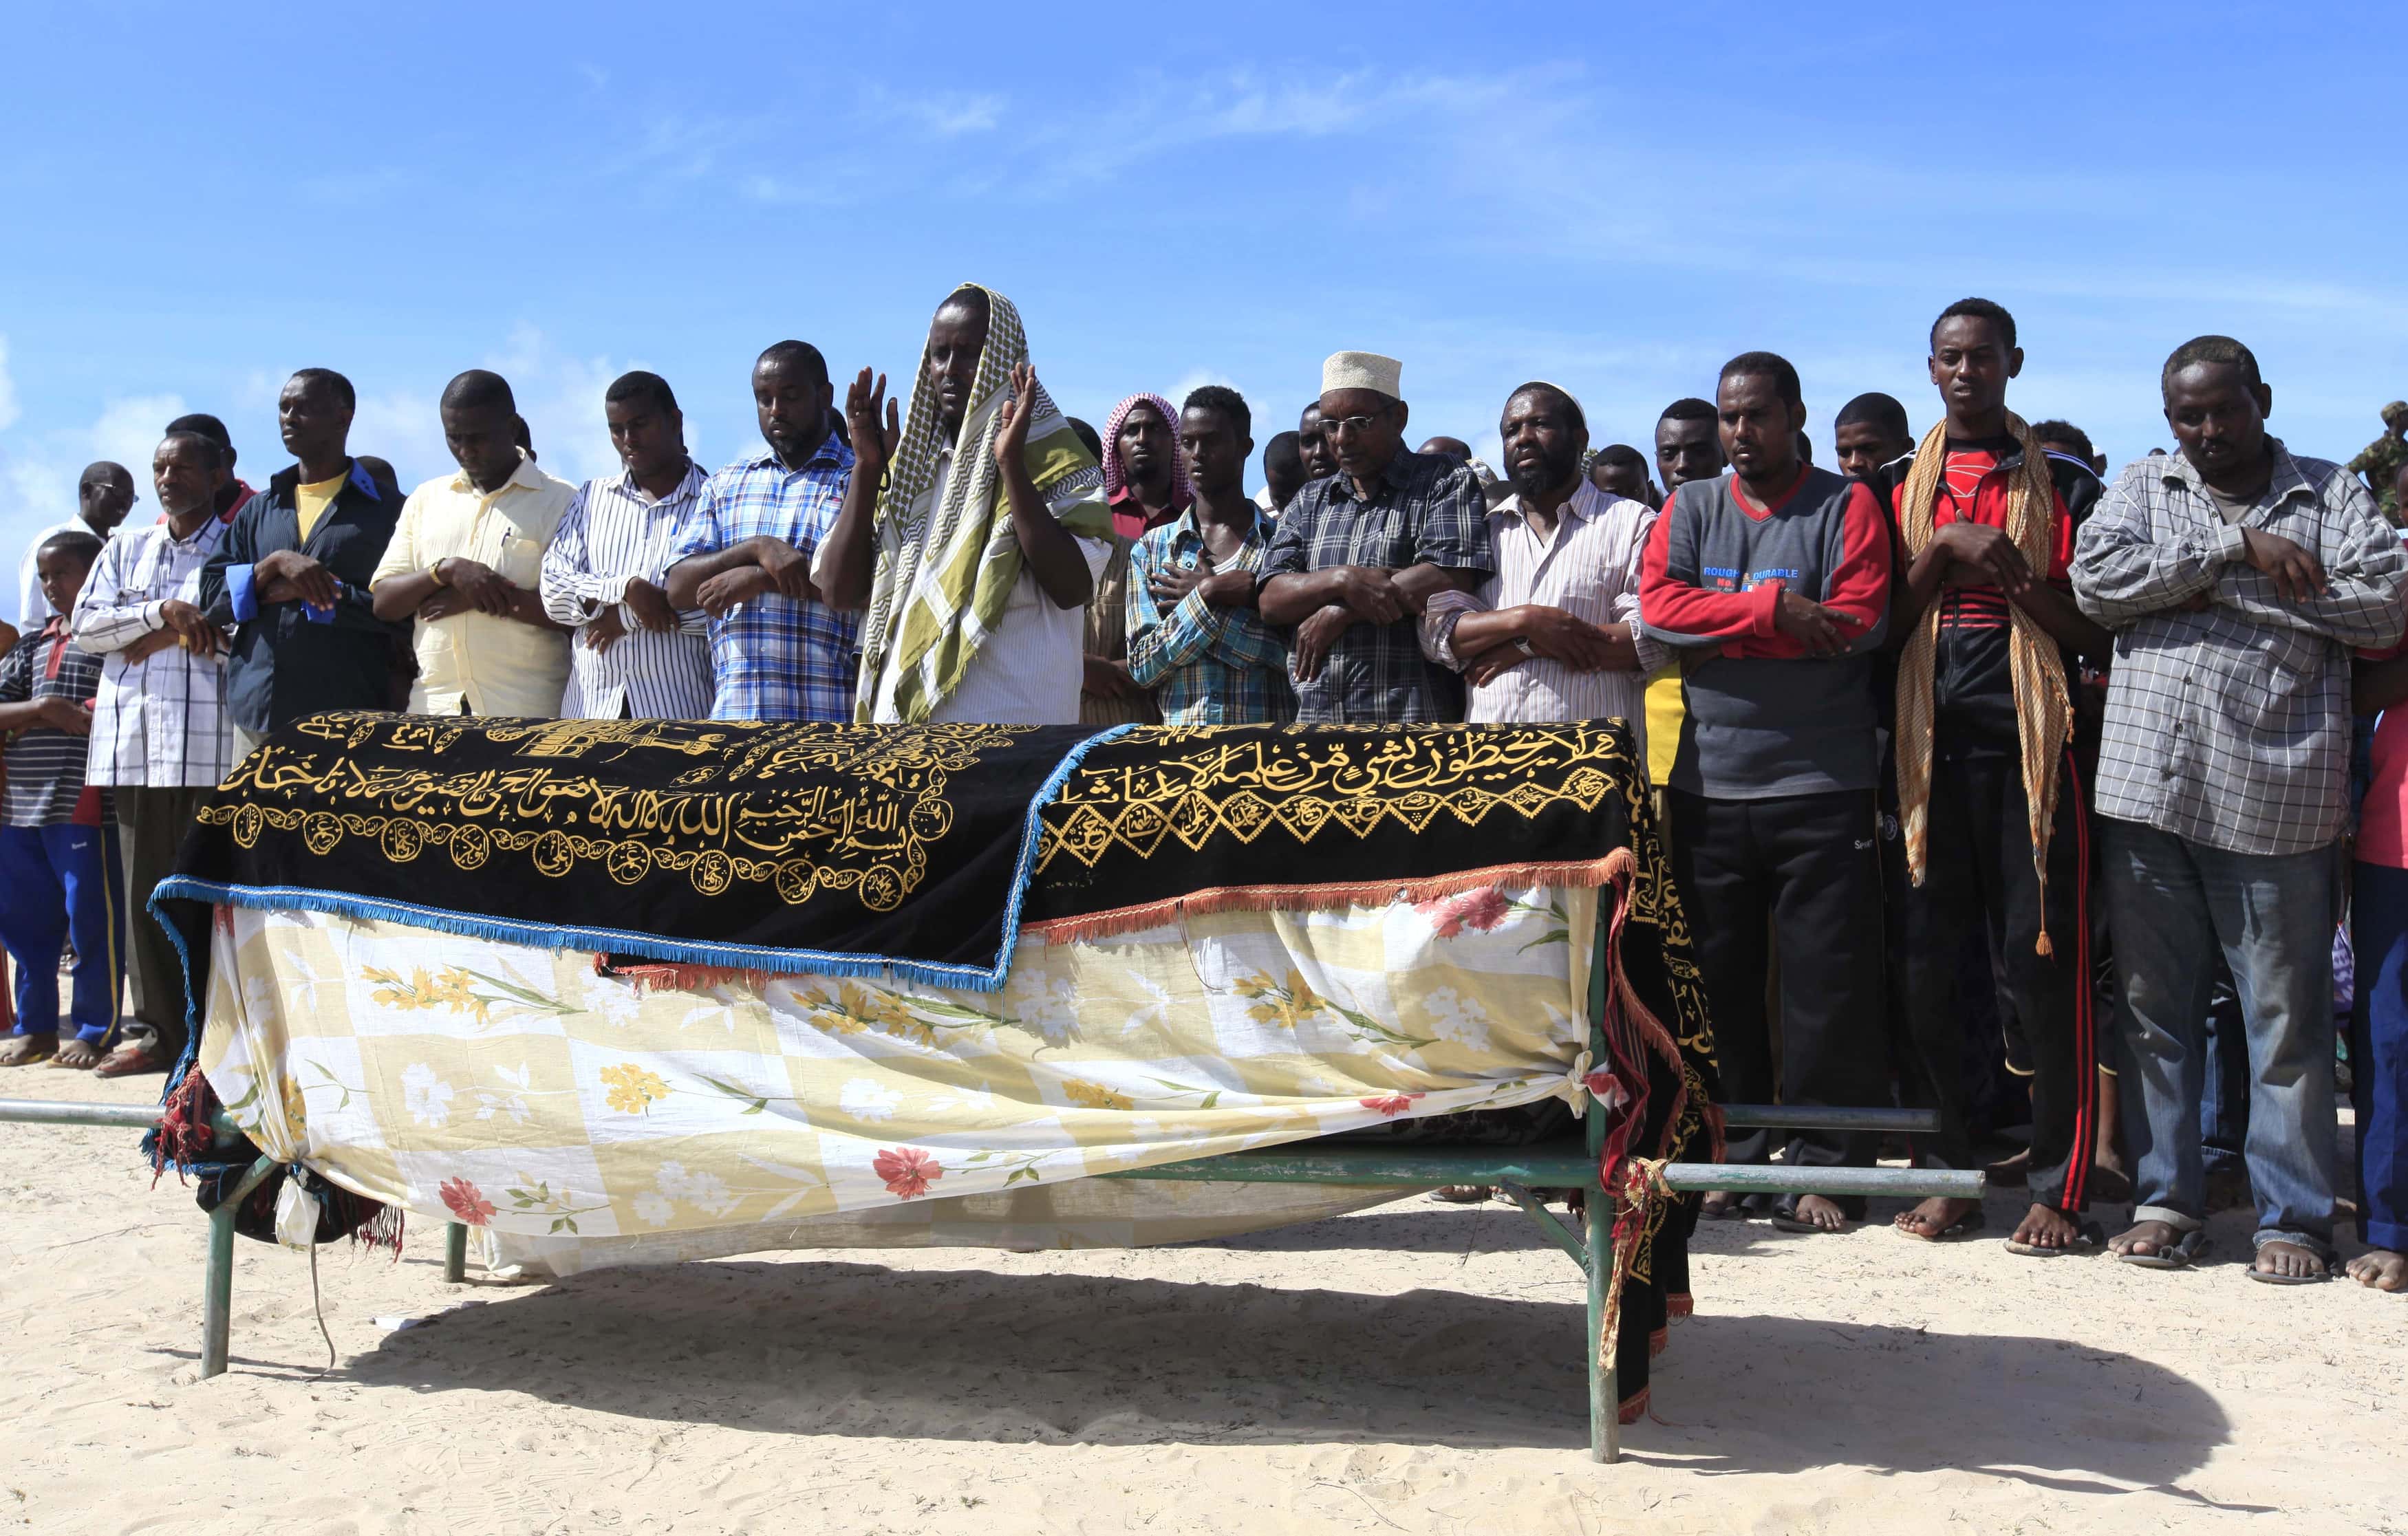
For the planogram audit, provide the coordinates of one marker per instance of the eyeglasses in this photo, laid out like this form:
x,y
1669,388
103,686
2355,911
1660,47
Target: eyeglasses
x,y
1332,425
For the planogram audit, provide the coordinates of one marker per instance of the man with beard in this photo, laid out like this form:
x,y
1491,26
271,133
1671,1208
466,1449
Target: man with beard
x,y
1776,581
1553,635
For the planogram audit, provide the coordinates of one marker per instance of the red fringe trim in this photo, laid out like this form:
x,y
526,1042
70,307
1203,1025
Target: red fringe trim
x,y
1680,1305
675,978
184,1135
1324,897
1634,1406
1655,1342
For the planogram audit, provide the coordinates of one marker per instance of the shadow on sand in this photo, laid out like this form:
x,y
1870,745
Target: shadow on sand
x,y
858,1349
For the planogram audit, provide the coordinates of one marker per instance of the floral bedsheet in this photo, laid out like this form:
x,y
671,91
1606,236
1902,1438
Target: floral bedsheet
x,y
527,1091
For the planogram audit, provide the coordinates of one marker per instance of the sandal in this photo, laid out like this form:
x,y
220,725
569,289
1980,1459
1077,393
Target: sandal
x,y
2188,1250
26,1050
1965,1226
1784,1219
2092,1238
2265,1277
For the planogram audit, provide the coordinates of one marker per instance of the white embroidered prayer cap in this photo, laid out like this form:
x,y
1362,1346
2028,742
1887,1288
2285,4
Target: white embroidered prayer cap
x,y
1363,370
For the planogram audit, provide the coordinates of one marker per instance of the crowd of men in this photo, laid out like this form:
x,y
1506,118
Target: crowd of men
x,y
1913,724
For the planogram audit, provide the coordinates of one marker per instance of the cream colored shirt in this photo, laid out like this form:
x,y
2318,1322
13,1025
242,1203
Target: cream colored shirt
x,y
494,666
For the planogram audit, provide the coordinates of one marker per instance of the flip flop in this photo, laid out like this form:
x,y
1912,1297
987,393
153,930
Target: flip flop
x,y
2265,1279
42,1049
2090,1237
1784,1219
2188,1250
1965,1226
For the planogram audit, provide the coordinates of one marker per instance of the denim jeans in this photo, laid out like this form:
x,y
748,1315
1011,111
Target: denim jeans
x,y
2175,905
2223,1099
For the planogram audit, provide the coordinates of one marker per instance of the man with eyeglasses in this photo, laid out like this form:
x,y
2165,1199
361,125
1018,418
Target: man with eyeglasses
x,y
1358,555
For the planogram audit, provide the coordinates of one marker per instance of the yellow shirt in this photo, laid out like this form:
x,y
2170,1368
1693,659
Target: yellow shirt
x,y
1664,711
310,502
494,665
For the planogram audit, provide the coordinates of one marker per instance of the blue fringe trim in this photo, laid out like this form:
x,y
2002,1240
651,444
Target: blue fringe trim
x,y
622,942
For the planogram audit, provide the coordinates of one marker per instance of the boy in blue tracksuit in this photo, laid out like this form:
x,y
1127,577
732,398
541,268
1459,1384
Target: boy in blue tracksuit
x,y
59,870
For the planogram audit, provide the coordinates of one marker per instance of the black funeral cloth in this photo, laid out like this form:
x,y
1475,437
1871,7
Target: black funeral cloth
x,y
777,846
1197,819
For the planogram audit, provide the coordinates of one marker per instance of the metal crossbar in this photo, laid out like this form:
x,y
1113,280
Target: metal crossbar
x,y
1520,1173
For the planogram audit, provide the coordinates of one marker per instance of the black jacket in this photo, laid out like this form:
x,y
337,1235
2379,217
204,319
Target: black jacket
x,y
283,663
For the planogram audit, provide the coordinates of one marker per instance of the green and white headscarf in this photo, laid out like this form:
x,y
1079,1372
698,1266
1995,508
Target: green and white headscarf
x,y
946,570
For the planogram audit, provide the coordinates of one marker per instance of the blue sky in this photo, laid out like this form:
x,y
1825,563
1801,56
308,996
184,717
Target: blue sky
x,y
1615,197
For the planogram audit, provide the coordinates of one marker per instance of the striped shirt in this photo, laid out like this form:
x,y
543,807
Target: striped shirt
x,y
2230,727
45,765
160,722
615,532
775,657
1207,666
1589,569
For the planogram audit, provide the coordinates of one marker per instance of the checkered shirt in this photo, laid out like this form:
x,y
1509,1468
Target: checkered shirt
x,y
160,722
1207,666
2230,727
1427,510
775,657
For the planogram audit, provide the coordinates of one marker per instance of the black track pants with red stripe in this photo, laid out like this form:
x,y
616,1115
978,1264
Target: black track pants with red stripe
x,y
1978,870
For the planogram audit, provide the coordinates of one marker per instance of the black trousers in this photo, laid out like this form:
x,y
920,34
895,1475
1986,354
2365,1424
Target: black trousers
x,y
1808,863
1978,878
151,828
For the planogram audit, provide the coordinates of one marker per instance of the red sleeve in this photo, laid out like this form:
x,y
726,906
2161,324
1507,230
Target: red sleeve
x,y
1677,611
1861,584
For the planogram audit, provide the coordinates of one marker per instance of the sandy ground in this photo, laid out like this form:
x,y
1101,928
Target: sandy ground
x,y
1412,1369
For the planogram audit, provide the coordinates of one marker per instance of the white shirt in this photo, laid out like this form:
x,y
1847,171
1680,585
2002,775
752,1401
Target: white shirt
x,y
161,722
1590,569
495,666
1030,670
613,533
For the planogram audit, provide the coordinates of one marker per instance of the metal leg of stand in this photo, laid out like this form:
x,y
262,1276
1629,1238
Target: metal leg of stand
x,y
455,1251
217,1285
1604,1388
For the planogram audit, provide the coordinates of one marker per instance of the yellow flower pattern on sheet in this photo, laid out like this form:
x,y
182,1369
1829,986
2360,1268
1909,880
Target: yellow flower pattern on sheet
x,y
526,1091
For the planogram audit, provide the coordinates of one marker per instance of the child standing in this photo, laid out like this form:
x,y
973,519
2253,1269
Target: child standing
x,y
60,877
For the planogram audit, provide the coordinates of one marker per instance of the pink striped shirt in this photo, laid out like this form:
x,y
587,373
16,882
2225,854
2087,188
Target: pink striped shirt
x,y
1589,569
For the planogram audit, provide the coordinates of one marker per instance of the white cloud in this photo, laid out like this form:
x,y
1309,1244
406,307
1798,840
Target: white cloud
x,y
8,411
940,114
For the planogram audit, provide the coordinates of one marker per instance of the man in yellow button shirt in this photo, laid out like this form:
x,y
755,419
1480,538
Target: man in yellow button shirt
x,y
466,558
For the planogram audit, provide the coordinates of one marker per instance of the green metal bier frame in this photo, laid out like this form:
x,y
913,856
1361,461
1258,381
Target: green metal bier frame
x,y
1517,1171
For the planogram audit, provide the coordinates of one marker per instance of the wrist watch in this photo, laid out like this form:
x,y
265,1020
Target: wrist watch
x,y
435,574
1522,643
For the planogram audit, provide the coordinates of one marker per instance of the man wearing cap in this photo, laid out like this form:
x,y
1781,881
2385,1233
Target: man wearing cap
x,y
1357,556
2379,465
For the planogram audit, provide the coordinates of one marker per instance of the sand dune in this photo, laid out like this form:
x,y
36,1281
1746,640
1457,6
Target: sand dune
x,y
1415,1367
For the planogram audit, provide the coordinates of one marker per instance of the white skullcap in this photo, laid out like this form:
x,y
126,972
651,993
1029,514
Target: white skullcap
x,y
1364,370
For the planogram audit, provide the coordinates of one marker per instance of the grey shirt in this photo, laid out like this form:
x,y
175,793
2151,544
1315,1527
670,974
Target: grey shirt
x,y
2230,727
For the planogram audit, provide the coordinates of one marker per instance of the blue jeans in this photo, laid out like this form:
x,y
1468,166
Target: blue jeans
x,y
2378,1053
2223,1099
2175,906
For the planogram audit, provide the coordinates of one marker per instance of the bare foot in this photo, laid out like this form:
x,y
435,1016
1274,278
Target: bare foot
x,y
2290,1261
1932,1218
2047,1227
80,1056
26,1050
1465,1194
2380,1270
1718,1205
2144,1240
1819,1210
2010,1172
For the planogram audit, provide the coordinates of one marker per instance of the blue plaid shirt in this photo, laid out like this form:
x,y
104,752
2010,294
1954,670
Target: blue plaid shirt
x,y
1207,665
776,658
